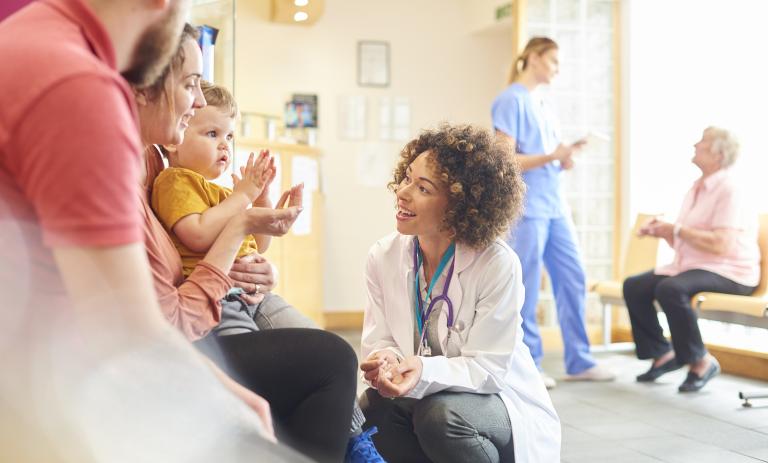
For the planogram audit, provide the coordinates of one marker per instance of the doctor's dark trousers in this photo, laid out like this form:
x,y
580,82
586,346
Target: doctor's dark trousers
x,y
552,242
445,427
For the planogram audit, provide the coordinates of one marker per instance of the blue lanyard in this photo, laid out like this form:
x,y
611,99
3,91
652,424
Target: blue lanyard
x,y
418,306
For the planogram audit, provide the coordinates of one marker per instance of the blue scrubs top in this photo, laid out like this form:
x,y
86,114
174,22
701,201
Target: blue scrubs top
x,y
531,122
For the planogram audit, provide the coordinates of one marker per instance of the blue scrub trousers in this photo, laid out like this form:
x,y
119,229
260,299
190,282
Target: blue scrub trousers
x,y
551,241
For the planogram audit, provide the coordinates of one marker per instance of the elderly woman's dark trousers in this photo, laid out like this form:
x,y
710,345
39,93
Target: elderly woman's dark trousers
x,y
674,296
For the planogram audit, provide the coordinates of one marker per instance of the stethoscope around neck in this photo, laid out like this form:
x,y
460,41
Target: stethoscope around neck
x,y
423,316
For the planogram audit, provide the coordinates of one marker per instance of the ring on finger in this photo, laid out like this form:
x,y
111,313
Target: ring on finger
x,y
258,288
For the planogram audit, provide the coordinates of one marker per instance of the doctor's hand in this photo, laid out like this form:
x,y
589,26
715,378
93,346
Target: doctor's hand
x,y
374,364
404,378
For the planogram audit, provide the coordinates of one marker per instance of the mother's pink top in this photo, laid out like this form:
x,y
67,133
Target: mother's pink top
x,y
192,304
714,203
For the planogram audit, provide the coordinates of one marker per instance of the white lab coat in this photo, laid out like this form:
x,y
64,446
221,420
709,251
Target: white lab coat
x,y
485,353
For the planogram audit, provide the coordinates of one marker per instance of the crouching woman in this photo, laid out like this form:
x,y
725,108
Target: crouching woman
x,y
450,378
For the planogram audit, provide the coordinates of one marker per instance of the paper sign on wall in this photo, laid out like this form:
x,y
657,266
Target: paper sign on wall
x,y
375,162
352,118
305,169
394,118
276,189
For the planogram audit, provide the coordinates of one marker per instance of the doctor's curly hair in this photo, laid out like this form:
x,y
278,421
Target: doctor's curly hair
x,y
483,181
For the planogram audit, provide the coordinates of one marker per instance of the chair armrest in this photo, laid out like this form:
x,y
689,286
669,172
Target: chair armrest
x,y
745,305
610,291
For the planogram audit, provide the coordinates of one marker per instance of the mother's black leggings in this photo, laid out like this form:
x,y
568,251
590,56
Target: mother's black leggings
x,y
307,375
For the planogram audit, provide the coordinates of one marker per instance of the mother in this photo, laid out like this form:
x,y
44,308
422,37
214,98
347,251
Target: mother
x,y
307,376
442,332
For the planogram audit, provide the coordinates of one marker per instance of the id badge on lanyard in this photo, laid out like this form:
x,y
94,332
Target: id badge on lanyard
x,y
422,315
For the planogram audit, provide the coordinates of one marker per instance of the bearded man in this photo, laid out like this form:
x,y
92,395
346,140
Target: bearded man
x,y
86,357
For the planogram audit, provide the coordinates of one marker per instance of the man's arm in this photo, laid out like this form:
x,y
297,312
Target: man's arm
x,y
111,291
116,309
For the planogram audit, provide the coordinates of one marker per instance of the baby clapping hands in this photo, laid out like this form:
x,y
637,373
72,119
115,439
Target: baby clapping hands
x,y
255,177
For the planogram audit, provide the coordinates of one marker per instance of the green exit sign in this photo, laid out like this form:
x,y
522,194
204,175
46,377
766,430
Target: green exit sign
x,y
503,11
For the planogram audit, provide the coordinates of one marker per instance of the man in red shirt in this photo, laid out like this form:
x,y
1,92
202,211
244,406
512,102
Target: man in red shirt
x,y
88,364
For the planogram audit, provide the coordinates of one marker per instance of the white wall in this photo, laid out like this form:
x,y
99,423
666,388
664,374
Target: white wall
x,y
447,73
694,63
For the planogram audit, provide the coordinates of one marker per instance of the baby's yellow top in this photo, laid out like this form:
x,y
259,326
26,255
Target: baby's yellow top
x,y
179,192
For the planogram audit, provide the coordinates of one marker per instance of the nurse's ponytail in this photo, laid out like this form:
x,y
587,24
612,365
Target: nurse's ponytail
x,y
537,45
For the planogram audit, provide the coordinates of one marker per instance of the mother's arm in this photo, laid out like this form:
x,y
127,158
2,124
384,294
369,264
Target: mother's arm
x,y
193,306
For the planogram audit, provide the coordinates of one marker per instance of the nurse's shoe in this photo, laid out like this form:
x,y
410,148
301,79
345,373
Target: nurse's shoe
x,y
549,382
596,373
360,448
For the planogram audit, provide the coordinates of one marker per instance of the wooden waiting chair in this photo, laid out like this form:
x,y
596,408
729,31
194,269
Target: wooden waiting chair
x,y
749,310
745,310
639,256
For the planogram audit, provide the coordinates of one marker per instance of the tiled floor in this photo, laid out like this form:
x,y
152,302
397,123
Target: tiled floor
x,y
631,422
627,422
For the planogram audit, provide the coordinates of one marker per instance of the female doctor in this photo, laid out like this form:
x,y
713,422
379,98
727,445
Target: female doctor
x,y
450,377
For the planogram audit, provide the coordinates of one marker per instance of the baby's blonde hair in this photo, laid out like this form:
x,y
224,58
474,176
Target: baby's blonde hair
x,y
219,97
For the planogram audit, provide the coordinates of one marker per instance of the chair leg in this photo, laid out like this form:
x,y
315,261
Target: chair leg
x,y
607,314
607,344
747,396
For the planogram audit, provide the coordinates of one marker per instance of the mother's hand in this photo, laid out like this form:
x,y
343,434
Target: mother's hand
x,y
277,221
253,273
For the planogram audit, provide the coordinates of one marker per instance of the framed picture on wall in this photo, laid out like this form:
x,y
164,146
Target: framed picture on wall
x,y
372,63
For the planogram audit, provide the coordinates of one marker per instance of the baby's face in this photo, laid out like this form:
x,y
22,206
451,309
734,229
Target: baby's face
x,y
207,146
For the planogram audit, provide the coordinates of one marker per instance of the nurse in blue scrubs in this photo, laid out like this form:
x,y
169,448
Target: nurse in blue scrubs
x,y
545,235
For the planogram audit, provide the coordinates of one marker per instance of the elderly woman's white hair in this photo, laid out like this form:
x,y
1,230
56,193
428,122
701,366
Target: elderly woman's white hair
x,y
725,143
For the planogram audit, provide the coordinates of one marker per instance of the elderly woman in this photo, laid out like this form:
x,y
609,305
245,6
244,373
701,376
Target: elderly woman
x,y
442,334
715,245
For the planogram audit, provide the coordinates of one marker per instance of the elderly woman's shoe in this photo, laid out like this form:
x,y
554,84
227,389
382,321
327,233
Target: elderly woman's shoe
x,y
655,372
694,382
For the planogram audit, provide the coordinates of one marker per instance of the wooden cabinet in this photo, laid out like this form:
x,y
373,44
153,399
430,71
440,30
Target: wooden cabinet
x,y
297,255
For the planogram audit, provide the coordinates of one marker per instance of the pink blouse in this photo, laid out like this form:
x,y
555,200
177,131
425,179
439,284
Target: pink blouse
x,y
714,203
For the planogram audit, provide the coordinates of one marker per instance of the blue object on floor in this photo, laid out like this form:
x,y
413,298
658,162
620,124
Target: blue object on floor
x,y
360,448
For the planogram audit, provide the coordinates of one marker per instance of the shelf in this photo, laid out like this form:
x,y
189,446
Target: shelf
x,y
278,146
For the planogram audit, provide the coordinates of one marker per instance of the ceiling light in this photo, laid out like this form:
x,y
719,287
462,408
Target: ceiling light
x,y
300,16
300,2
